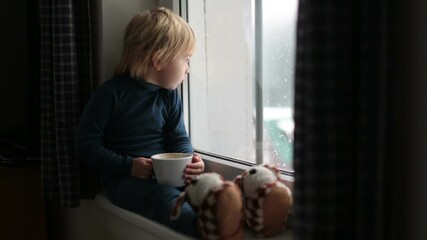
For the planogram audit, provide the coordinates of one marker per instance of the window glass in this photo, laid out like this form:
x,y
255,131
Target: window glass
x,y
278,48
240,88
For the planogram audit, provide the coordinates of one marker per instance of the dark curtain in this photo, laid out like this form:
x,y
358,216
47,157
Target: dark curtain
x,y
66,80
345,169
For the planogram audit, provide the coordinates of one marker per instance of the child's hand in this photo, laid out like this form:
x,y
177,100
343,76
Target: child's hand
x,y
195,168
142,168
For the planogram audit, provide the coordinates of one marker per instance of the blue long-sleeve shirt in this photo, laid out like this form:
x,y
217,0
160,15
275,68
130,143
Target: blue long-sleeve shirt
x,y
127,118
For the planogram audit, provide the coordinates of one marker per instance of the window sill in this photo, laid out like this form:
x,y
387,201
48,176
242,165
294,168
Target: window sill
x,y
158,231
229,170
151,228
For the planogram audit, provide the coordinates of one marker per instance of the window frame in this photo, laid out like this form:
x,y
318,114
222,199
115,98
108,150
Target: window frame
x,y
230,167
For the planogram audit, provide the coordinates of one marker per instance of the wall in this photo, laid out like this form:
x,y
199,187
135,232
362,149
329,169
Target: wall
x,y
113,16
21,204
20,80
13,86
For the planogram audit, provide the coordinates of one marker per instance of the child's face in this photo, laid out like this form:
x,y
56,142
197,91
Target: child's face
x,y
173,73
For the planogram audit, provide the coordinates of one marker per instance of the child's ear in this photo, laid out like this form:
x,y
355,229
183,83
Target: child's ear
x,y
155,61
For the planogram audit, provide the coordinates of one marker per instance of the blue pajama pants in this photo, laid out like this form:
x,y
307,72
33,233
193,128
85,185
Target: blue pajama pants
x,y
153,201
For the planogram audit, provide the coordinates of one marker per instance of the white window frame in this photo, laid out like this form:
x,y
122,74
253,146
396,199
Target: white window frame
x,y
229,168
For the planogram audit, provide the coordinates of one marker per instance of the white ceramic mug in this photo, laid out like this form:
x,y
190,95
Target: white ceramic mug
x,y
169,168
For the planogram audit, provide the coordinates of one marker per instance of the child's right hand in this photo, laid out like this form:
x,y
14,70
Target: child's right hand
x,y
142,168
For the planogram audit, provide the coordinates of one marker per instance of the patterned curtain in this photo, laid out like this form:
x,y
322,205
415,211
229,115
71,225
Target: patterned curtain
x,y
66,76
344,166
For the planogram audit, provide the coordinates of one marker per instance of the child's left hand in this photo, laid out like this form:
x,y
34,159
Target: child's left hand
x,y
195,168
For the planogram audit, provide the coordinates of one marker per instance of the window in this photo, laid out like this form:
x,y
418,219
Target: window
x,y
240,88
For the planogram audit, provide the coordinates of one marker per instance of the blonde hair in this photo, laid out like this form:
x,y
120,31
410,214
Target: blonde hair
x,y
154,34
